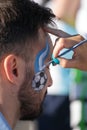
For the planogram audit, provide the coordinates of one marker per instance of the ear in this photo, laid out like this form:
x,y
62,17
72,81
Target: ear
x,y
11,69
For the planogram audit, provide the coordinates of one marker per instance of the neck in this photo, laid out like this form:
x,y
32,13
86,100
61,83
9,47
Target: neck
x,y
11,117
9,108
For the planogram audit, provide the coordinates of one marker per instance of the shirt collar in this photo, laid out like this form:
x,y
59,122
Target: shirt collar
x,y
3,123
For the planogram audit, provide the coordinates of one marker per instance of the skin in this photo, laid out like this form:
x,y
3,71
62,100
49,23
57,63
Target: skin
x,y
35,98
79,59
41,57
16,92
39,63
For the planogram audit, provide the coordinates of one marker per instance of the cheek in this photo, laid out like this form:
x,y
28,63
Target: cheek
x,y
30,69
39,81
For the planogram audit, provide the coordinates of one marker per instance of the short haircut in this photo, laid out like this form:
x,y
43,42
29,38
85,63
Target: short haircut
x,y
20,19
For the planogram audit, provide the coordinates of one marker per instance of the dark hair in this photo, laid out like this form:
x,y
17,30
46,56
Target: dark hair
x,y
20,19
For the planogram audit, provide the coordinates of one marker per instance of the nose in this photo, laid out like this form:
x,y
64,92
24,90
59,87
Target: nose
x,y
49,81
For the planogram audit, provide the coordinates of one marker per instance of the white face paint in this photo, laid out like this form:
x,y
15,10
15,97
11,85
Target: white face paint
x,y
40,78
41,57
39,81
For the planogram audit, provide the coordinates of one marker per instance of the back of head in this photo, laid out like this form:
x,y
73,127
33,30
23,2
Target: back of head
x,y
20,19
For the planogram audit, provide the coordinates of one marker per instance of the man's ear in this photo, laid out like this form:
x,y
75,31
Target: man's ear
x,y
10,67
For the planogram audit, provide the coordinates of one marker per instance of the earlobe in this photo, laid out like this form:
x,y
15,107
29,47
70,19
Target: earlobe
x,y
10,67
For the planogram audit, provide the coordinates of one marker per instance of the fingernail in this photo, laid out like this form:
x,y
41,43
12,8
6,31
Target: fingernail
x,y
55,60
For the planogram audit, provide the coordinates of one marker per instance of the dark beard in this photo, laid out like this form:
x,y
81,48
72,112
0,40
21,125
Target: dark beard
x,y
28,109
32,115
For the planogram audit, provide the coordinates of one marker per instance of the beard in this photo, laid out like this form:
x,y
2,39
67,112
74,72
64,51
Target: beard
x,y
31,103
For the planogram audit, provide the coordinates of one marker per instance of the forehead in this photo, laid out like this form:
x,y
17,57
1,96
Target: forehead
x,y
44,50
43,37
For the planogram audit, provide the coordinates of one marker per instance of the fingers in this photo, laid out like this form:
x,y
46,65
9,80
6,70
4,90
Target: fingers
x,y
57,32
61,44
66,41
65,63
76,62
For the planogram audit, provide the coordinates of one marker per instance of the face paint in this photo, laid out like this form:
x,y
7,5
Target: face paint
x,y
40,58
40,78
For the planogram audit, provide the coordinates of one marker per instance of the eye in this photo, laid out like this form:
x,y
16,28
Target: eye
x,y
49,58
48,66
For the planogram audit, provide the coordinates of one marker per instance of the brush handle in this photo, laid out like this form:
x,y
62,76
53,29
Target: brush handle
x,y
73,47
70,49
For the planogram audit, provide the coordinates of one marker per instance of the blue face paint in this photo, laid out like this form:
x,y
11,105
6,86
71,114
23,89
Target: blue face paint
x,y
40,78
41,57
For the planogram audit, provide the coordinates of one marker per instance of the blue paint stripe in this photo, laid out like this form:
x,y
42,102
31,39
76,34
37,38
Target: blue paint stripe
x,y
40,58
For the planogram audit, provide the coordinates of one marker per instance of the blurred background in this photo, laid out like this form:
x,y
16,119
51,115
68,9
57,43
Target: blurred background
x,y
65,105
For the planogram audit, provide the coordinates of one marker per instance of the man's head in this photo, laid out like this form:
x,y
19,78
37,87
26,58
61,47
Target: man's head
x,y
22,37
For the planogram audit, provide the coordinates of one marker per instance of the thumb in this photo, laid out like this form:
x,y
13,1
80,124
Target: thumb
x,y
68,63
57,32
